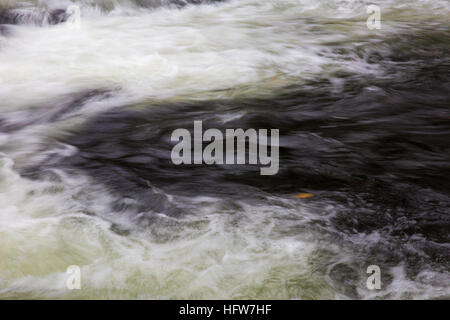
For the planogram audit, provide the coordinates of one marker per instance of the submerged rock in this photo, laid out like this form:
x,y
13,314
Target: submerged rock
x,y
57,16
33,16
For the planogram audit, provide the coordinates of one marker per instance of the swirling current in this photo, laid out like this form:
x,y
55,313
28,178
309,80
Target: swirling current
x,y
86,177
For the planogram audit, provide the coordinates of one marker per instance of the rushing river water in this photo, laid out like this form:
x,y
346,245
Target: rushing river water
x,y
86,178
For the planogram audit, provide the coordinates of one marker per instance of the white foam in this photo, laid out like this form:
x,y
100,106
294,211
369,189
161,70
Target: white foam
x,y
200,51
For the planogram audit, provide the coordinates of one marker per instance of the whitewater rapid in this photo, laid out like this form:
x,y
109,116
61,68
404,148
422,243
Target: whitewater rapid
x,y
134,56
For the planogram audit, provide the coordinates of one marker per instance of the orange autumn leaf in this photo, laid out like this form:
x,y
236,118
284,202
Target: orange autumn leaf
x,y
303,195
